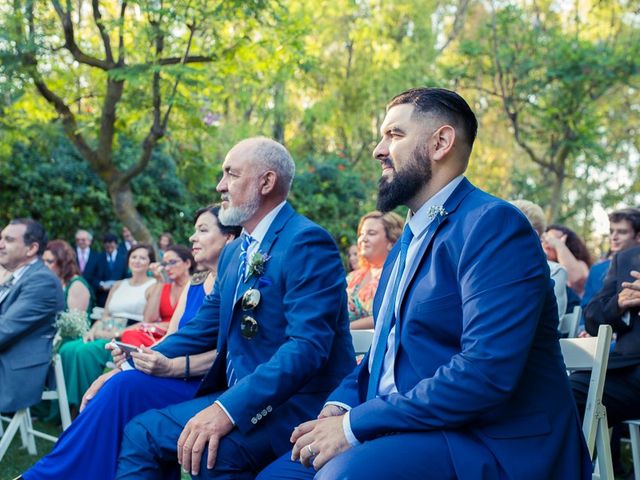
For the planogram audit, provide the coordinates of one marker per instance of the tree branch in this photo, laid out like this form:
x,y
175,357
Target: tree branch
x,y
70,42
184,60
97,17
123,8
458,23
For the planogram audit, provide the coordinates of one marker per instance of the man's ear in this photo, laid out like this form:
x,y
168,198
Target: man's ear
x,y
442,142
268,182
32,250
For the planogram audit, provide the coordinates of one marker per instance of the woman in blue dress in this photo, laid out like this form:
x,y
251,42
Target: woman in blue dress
x,y
89,447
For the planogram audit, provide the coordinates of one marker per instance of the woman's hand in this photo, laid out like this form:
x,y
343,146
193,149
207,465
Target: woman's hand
x,y
153,363
95,387
156,270
117,355
90,336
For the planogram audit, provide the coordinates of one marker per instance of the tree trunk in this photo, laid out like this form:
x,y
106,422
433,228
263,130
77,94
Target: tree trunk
x,y
556,197
124,206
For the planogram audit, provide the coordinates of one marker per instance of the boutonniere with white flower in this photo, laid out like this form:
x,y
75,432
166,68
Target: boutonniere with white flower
x,y
436,211
257,264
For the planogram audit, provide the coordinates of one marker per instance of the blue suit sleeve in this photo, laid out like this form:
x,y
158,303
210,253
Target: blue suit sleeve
x,y
501,300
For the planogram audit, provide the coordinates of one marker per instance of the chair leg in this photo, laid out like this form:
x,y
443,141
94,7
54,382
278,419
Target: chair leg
x,y
634,433
10,432
63,400
603,450
31,440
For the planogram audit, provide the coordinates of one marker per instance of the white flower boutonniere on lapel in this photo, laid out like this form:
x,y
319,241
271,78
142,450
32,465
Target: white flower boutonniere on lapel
x,y
436,211
257,264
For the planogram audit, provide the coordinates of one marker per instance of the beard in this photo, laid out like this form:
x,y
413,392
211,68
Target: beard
x,y
238,214
404,184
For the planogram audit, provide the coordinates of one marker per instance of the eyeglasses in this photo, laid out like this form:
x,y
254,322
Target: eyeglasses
x,y
248,325
170,263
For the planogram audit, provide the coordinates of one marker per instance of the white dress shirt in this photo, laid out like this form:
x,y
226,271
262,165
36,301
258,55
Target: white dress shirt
x,y
418,223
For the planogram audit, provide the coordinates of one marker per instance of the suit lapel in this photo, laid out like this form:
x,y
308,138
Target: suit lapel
x,y
450,206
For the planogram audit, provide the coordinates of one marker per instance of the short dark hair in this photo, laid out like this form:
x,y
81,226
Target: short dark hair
x,y
110,238
444,104
147,247
34,233
631,215
214,210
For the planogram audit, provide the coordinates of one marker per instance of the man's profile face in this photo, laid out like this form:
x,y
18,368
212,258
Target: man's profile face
x,y
13,251
109,247
622,236
83,240
402,153
126,235
239,187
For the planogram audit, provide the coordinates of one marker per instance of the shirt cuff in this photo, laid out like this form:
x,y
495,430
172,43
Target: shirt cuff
x,y
348,433
124,366
217,402
626,318
344,406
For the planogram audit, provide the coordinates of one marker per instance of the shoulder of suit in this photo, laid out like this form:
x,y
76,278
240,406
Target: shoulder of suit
x,y
629,255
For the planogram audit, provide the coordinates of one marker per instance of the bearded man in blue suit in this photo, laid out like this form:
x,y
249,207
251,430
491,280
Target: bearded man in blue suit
x,y
465,377
278,317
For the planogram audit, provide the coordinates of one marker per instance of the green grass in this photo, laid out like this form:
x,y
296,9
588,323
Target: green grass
x,y
17,459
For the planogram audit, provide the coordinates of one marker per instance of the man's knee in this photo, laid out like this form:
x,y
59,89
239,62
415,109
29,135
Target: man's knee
x,y
136,432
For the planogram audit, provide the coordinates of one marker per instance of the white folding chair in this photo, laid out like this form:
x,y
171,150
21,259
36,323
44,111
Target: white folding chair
x,y
361,340
634,433
593,354
569,322
21,420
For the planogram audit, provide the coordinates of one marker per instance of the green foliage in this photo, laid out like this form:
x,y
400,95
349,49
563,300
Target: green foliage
x,y
327,190
45,178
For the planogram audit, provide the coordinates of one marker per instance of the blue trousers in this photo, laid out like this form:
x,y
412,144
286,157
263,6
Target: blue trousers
x,y
149,446
419,455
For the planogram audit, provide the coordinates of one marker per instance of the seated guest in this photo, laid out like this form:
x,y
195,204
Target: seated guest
x,y
178,265
157,381
353,262
624,232
30,298
535,215
278,313
377,233
112,266
164,242
464,379
618,305
83,360
61,259
563,245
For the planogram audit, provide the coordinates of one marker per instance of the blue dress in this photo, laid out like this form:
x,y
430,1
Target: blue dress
x,y
89,448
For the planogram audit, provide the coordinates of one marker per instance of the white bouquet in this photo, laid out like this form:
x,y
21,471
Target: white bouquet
x,y
70,324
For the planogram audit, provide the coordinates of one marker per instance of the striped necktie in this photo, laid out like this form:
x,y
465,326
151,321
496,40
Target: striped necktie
x,y
247,240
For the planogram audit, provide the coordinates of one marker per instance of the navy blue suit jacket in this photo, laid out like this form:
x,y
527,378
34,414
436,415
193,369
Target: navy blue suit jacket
x,y
478,355
303,347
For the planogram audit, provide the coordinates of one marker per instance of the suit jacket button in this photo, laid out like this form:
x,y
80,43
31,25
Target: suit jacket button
x,y
264,413
258,416
269,408
254,420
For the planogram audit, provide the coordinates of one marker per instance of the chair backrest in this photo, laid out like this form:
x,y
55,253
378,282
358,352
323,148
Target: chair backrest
x,y
361,340
569,322
592,353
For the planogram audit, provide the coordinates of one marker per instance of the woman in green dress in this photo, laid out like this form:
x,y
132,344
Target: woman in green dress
x,y
61,259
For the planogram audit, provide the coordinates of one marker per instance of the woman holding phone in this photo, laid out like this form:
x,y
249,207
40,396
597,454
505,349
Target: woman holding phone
x,y
89,447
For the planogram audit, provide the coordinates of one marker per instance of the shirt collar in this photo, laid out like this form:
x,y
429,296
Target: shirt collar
x,y
18,272
419,221
262,228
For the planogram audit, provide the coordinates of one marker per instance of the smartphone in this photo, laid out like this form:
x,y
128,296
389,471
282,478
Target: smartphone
x,y
127,348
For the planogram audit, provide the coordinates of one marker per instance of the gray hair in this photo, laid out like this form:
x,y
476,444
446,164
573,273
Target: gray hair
x,y
80,230
271,155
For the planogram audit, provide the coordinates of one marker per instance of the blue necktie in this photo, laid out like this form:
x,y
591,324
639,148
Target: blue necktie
x,y
389,317
247,240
